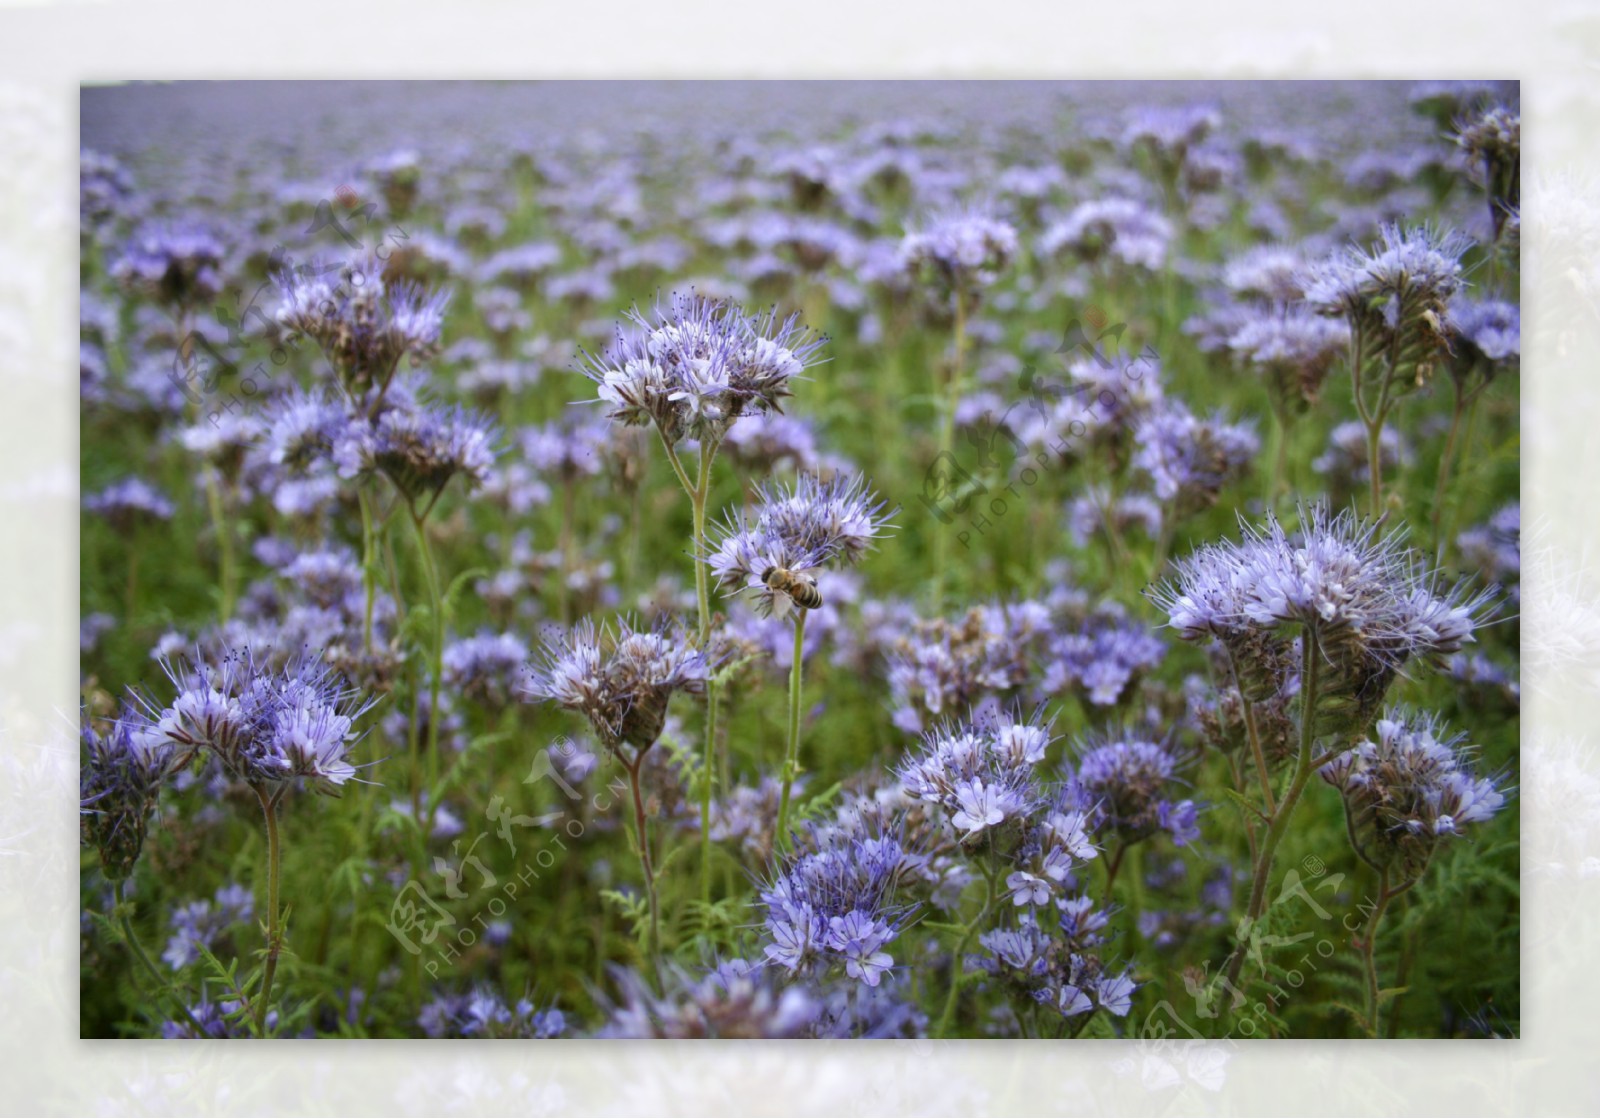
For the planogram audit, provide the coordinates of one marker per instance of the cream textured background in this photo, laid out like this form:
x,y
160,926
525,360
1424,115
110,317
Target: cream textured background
x,y
47,49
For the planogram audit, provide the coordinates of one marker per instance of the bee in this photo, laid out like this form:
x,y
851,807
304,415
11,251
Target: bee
x,y
800,589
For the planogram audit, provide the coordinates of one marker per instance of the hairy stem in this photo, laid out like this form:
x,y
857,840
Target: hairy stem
x,y
1280,819
791,760
947,431
1369,953
269,811
642,829
430,571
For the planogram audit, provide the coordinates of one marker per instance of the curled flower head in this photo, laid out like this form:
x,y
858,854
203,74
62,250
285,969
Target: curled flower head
x,y
1117,228
419,448
121,777
1190,460
1394,297
698,365
1366,602
1408,788
619,678
1128,784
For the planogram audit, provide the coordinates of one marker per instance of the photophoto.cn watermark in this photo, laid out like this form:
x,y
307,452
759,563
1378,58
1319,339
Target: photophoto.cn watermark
x,y
421,922
1216,997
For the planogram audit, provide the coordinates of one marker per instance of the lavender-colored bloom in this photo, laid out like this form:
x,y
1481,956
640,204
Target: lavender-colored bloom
x,y
833,902
1102,656
485,668
803,528
737,999
1116,227
1495,548
620,679
1170,131
419,449
1293,349
118,785
1415,270
1487,331
1366,600
482,1012
130,502
699,365
302,429
264,724
1190,460
199,923
176,265
962,249
1127,786
982,774
1408,788
363,324
1270,272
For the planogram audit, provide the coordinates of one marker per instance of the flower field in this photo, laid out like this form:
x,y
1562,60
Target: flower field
x,y
629,560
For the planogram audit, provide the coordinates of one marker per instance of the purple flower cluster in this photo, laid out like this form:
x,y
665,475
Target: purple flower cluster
x,y
1126,786
266,725
482,1013
698,365
118,785
199,923
983,775
363,324
1407,788
802,529
620,679
833,903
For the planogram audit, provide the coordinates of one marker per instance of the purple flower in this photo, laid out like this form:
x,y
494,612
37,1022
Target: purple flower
x,y
699,365
620,679
981,774
178,265
1409,787
364,324
121,778
802,529
264,724
834,901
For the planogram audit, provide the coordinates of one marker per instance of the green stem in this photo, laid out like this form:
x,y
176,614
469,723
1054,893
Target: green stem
x,y
368,561
269,811
1446,461
791,760
1280,819
430,571
132,938
945,1019
1254,734
1369,954
947,432
224,542
641,827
